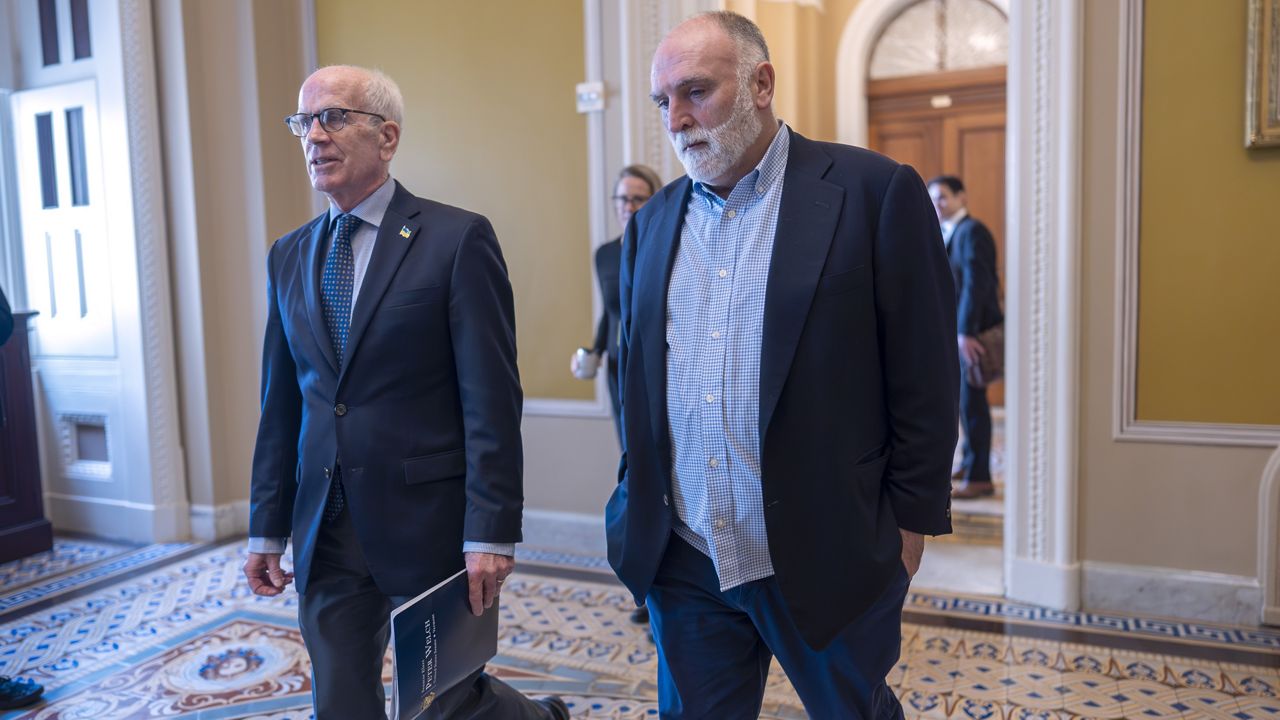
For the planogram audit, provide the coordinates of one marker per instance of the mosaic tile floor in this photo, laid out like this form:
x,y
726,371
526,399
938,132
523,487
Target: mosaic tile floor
x,y
186,640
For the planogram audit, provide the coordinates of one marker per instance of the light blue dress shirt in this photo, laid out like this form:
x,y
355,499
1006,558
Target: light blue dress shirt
x,y
715,313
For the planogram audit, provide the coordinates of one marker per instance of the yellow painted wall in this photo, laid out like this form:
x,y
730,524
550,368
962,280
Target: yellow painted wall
x,y
490,125
1209,291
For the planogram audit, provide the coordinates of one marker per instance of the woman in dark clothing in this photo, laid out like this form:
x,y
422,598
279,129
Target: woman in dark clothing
x,y
636,184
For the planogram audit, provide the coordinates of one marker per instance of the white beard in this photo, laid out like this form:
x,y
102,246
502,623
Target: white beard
x,y
725,143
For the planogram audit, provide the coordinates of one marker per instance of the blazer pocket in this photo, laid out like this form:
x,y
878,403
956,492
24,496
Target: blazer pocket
x,y
439,466
842,282
872,455
417,296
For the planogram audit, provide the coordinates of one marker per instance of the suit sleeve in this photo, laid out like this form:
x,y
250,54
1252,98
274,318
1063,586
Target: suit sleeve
x,y
978,264
274,486
482,327
601,343
6,319
915,304
626,280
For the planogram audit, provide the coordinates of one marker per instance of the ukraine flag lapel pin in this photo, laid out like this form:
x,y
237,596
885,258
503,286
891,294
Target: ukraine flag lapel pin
x,y
404,231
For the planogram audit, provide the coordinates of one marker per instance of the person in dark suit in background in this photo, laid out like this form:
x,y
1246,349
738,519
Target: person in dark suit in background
x,y
389,443
788,371
972,252
636,184
6,319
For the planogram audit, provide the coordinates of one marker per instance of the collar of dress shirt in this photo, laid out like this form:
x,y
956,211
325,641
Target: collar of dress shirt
x,y
372,208
766,173
949,225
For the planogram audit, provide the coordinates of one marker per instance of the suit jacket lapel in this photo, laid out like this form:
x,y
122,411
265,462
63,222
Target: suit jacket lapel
x,y
312,261
807,220
655,259
388,251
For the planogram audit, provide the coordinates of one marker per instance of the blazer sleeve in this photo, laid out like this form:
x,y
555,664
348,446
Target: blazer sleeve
x,y
274,485
915,304
978,264
482,327
6,319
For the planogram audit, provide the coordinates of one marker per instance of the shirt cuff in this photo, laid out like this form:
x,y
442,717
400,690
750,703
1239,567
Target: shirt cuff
x,y
508,549
268,546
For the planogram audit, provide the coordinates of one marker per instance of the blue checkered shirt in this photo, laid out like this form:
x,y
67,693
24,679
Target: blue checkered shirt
x,y
715,311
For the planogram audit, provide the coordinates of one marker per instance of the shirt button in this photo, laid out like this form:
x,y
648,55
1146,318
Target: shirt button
x,y
711,398
720,524
715,334
714,462
732,214
724,273
339,409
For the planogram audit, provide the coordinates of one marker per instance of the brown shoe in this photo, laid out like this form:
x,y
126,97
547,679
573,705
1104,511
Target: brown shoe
x,y
958,474
556,708
971,490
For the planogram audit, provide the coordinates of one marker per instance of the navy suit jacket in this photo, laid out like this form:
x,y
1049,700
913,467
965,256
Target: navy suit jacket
x,y
425,414
858,383
972,252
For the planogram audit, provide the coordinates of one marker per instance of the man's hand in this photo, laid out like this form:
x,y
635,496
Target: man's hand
x,y
970,349
485,575
912,550
264,574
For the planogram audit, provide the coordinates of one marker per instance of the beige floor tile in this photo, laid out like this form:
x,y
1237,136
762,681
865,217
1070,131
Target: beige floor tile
x,y
973,709
1090,694
1148,699
1255,708
1208,704
1253,681
1138,666
924,705
1036,688
1194,673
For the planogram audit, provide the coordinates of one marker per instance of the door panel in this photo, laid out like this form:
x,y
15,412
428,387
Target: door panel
x,y
64,240
963,136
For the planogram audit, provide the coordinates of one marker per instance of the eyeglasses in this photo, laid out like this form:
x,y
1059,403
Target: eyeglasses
x,y
631,199
331,119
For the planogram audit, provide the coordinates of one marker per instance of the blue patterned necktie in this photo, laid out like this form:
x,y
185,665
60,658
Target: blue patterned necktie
x,y
337,284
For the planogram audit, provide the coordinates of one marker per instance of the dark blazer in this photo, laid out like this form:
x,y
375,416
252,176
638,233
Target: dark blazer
x,y
425,414
972,252
858,383
608,265
6,319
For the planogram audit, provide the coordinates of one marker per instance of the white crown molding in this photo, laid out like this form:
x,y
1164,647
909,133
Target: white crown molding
x,y
1269,540
1125,423
1043,168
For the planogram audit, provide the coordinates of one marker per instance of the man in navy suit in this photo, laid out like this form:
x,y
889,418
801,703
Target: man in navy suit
x,y
789,377
972,251
389,444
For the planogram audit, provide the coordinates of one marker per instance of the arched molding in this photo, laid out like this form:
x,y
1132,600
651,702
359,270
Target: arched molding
x,y
853,60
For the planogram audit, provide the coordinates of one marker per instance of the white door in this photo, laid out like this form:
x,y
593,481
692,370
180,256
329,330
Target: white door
x,y
60,197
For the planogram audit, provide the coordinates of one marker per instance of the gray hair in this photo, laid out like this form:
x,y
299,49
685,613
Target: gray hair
x,y
752,49
381,93
382,96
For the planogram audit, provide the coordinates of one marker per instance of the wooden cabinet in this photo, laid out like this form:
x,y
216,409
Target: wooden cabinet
x,y
23,528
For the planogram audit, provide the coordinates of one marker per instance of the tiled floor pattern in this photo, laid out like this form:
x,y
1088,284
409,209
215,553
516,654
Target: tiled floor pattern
x,y
67,554
188,640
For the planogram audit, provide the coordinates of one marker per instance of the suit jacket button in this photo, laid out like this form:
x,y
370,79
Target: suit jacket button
x,y
339,409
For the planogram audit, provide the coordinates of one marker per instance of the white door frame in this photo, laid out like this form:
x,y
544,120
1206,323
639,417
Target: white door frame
x,y
1043,245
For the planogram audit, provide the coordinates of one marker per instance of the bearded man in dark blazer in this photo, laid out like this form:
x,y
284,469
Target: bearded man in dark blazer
x,y
788,370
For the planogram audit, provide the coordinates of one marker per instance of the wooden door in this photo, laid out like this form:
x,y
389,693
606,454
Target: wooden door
x,y
949,123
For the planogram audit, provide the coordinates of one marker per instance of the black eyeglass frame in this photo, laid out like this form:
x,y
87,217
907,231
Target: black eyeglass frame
x,y
307,119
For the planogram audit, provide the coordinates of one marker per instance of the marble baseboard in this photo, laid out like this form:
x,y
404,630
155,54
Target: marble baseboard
x,y
578,533
1143,590
211,523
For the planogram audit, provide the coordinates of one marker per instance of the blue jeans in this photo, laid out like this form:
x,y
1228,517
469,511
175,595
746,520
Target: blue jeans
x,y
714,648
